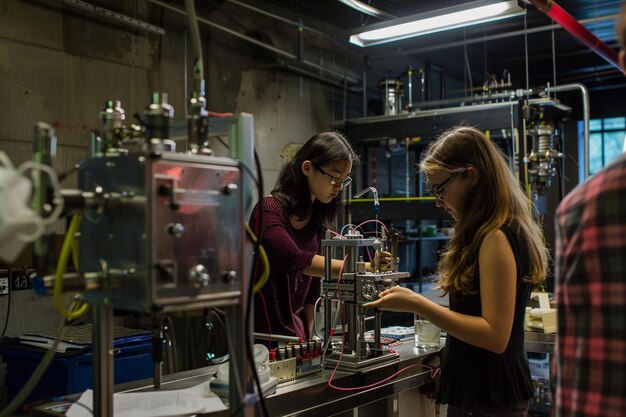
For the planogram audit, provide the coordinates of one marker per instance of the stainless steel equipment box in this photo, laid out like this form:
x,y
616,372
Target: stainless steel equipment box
x,y
169,236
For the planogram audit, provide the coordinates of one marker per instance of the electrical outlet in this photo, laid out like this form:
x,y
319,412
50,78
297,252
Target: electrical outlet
x,y
4,285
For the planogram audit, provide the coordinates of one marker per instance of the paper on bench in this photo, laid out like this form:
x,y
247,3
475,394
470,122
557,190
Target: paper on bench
x,y
195,400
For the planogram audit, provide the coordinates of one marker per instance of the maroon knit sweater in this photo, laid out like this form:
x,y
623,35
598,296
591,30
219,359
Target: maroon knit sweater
x,y
288,289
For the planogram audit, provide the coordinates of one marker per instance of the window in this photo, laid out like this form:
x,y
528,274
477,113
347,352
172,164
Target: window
x,y
606,141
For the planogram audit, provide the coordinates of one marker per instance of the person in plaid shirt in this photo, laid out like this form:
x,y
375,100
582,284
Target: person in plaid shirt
x,y
591,291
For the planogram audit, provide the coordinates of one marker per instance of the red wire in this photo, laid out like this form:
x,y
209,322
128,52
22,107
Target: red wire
x,y
433,374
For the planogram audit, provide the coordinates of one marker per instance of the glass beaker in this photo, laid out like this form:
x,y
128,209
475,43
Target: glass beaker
x,y
427,335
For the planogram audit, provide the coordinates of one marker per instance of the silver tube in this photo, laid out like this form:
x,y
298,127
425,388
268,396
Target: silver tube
x,y
328,321
364,94
282,19
377,326
103,361
44,152
585,96
351,319
493,96
254,41
361,349
449,110
407,169
367,9
224,29
278,337
328,270
194,32
114,16
410,74
423,82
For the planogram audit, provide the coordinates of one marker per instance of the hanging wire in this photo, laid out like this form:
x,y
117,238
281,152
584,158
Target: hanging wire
x,y
467,65
485,69
526,55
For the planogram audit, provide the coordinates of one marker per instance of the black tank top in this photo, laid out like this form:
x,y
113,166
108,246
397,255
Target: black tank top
x,y
472,376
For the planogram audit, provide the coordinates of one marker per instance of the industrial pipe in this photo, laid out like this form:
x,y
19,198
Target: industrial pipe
x,y
291,58
567,21
367,9
585,97
198,63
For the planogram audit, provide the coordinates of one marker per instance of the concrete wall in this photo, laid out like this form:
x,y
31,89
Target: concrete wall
x,y
59,65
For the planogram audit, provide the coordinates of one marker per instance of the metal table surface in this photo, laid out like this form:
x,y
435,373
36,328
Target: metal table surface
x,y
540,342
312,395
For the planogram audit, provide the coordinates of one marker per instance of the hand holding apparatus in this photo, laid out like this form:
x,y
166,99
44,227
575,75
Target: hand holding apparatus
x,y
396,299
384,260
380,263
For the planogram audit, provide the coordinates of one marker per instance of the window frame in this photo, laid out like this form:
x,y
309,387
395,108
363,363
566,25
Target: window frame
x,y
603,131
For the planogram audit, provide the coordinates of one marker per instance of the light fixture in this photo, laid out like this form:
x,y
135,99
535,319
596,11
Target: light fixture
x,y
466,14
367,9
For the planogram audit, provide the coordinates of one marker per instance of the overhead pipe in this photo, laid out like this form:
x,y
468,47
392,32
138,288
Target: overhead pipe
x,y
231,32
198,62
367,9
290,58
299,25
585,97
107,14
570,24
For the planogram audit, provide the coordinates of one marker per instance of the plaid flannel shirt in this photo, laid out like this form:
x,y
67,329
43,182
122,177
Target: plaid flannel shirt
x,y
591,297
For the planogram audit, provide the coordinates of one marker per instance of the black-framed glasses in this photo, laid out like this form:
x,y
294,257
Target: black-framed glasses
x,y
437,190
335,180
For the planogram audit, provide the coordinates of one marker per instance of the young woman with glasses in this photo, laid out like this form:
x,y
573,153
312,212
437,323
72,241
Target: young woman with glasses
x,y
488,268
296,214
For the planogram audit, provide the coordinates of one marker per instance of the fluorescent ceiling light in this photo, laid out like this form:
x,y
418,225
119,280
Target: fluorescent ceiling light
x,y
367,9
467,14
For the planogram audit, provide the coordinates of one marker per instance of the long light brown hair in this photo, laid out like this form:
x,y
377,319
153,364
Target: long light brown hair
x,y
496,200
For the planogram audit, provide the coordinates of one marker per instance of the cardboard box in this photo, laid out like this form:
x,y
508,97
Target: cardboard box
x,y
542,319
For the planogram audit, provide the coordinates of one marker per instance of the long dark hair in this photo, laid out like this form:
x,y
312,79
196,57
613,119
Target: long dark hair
x,y
496,200
292,188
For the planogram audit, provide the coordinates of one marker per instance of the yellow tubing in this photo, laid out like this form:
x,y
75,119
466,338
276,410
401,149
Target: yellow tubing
x,y
61,265
266,263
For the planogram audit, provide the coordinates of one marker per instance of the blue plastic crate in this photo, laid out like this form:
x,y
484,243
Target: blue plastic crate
x,y
69,374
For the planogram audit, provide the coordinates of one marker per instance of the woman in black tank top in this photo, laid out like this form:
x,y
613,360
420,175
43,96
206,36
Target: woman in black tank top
x,y
488,268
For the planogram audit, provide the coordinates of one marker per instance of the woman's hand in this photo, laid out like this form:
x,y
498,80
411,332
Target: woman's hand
x,y
384,260
381,262
396,298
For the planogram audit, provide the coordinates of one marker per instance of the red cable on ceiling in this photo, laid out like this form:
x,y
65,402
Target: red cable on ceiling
x,y
573,26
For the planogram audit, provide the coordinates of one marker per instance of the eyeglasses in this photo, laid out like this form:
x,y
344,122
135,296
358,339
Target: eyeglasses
x,y
437,190
335,180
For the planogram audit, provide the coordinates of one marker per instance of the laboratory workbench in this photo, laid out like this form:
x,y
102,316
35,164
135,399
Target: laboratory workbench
x,y
312,395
